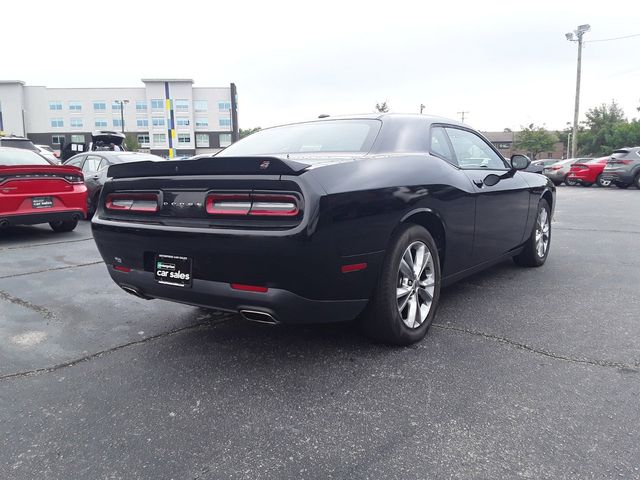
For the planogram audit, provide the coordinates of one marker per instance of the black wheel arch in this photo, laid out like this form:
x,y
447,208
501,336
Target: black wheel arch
x,y
433,223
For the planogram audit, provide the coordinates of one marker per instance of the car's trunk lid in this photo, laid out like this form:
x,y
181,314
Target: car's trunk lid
x,y
42,179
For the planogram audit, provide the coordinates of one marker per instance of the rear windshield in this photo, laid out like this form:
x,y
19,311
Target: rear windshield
x,y
18,156
348,136
27,144
621,154
138,157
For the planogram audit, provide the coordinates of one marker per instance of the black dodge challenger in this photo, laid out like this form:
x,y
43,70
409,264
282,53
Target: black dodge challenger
x,y
331,220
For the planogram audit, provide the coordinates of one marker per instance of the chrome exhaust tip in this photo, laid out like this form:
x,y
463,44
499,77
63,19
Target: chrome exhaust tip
x,y
134,291
258,317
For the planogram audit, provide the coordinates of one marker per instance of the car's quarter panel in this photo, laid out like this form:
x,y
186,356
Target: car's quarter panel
x,y
369,198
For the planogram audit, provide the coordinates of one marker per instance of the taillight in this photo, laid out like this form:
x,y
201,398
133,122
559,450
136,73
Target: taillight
x,y
74,178
555,167
253,204
132,202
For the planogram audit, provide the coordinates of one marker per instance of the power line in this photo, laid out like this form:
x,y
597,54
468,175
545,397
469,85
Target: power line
x,y
614,38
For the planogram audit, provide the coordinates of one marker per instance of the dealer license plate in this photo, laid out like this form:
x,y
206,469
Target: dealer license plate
x,y
42,202
173,270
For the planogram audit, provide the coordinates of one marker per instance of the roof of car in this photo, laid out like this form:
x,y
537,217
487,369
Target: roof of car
x,y
407,117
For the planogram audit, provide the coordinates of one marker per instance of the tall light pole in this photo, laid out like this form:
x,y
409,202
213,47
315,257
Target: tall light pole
x,y
422,107
122,102
576,36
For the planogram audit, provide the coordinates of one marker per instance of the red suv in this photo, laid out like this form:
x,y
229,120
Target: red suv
x,y
34,191
587,173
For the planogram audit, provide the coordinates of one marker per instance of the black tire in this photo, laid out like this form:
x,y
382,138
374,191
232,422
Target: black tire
x,y
63,226
622,185
94,203
636,181
530,256
556,183
586,184
382,318
602,182
570,183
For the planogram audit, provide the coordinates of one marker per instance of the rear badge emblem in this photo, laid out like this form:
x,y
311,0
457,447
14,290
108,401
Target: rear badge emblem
x,y
264,164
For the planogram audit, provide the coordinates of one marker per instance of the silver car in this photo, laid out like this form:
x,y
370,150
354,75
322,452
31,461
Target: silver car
x,y
557,172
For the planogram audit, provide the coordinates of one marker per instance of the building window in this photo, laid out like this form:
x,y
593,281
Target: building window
x,y
115,105
77,138
99,106
182,105
142,122
143,139
117,122
202,122
224,106
182,122
159,138
158,121
57,123
200,106
225,139
157,104
100,122
224,122
184,138
75,106
57,139
76,123
55,105
141,106
202,140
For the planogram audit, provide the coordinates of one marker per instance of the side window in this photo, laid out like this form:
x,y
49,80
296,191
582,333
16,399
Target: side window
x,y
76,162
440,145
91,163
103,164
472,152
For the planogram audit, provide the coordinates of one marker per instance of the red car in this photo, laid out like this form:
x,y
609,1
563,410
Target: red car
x,y
34,191
587,173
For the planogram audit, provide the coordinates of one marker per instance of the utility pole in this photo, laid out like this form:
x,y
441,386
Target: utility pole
x,y
422,107
462,115
576,36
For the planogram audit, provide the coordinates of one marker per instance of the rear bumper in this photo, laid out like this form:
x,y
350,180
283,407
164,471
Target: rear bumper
x,y
555,176
41,217
282,305
619,176
586,177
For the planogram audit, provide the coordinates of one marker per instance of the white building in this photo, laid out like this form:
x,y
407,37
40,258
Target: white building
x,y
170,117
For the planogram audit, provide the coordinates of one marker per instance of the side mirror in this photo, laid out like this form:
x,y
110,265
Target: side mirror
x,y
519,162
491,180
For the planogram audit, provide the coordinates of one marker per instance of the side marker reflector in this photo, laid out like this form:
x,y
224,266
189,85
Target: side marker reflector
x,y
249,288
120,268
354,267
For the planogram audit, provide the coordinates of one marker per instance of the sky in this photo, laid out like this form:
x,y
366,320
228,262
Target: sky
x,y
506,63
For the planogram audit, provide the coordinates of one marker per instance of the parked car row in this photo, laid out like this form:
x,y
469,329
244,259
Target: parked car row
x,y
621,168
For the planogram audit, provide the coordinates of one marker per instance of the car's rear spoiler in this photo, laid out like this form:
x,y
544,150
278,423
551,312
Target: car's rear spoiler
x,y
208,166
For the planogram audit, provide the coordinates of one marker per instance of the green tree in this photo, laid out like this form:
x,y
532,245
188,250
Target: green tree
x,y
249,131
131,142
535,140
598,137
382,107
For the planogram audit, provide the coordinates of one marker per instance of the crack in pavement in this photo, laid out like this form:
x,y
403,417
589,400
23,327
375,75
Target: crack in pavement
x,y
45,244
46,313
595,230
631,367
52,269
225,317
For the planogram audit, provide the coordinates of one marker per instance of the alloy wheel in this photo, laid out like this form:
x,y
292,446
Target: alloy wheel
x,y
542,232
416,284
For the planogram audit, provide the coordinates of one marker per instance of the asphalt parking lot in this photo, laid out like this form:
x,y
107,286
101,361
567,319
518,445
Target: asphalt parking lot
x,y
527,373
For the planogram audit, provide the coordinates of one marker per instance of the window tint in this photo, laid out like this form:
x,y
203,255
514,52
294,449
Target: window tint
x,y
440,144
472,152
17,156
91,163
318,136
75,162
